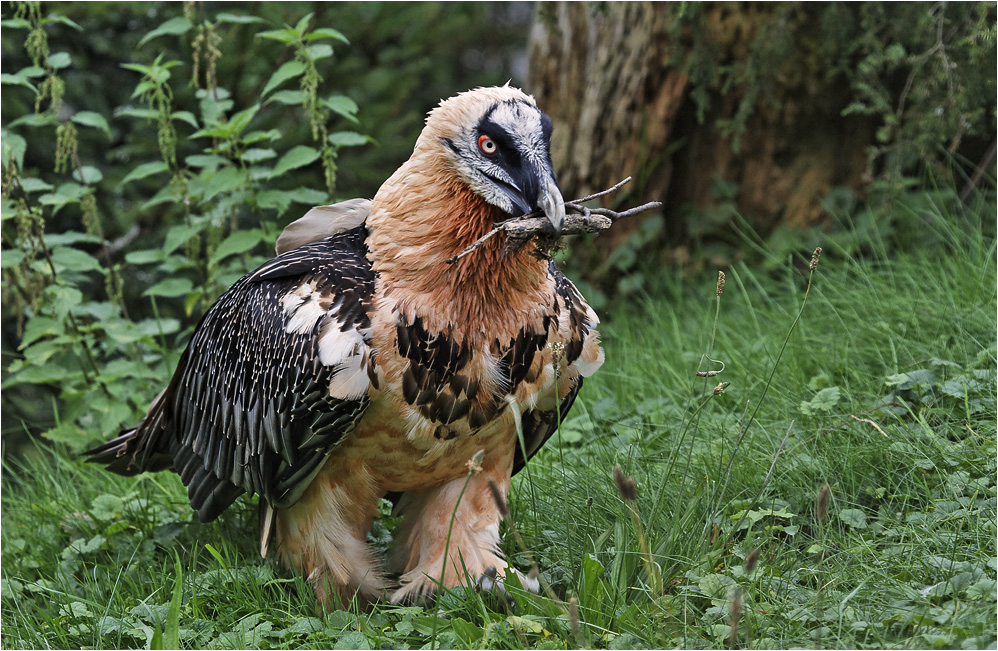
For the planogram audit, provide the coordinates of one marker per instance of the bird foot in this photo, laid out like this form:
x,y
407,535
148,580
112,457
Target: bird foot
x,y
491,581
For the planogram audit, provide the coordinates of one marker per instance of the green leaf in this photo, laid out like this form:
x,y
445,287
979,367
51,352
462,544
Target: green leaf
x,y
205,160
185,116
592,572
297,157
88,174
854,518
70,259
142,113
92,119
38,327
242,119
175,26
348,139
272,135
288,97
237,19
238,242
310,196
224,180
171,287
107,507
35,185
61,299
256,155
918,377
31,72
171,636
983,589
50,373
353,640
429,623
468,632
8,79
823,402
14,147
326,32
961,387
279,35
40,353
319,51
70,237
144,170
342,105
60,60
178,235
277,200
61,19
302,24
34,120
289,70
167,194
11,258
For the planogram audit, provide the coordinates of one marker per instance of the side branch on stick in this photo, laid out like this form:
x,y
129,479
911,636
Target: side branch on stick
x,y
578,219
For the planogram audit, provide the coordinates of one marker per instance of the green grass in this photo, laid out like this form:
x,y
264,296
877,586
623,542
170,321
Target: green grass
x,y
885,392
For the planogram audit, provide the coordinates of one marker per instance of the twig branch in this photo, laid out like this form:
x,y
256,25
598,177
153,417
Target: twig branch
x,y
578,219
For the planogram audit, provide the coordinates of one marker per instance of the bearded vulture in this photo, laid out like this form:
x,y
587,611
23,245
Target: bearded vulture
x,y
363,362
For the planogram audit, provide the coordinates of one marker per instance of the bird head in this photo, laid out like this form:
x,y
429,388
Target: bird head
x,y
498,143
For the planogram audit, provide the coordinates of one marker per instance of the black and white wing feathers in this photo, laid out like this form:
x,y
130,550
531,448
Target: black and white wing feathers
x,y
276,374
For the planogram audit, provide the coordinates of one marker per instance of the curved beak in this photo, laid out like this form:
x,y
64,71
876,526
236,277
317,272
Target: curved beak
x,y
549,200
534,187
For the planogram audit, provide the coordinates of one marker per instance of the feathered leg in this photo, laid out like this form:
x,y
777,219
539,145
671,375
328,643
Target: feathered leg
x,y
323,536
473,523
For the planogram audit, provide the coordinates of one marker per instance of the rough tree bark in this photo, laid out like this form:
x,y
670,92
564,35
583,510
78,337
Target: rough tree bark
x,y
615,78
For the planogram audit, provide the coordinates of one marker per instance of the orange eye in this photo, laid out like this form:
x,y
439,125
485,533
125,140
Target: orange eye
x,y
487,145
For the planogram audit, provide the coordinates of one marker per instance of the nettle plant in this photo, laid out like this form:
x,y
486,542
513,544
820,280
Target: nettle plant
x,y
217,176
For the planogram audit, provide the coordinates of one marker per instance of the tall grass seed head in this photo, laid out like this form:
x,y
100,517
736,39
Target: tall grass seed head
x,y
814,259
821,502
498,498
720,282
736,616
626,486
573,614
474,464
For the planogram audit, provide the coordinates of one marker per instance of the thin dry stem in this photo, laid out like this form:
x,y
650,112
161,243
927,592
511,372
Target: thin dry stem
x,y
867,420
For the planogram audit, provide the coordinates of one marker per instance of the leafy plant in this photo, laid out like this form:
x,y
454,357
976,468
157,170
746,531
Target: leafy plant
x,y
102,364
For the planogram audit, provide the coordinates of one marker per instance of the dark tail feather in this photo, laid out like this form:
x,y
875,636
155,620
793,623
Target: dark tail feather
x,y
139,448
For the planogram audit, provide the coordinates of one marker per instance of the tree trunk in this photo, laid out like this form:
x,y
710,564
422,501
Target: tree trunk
x,y
633,90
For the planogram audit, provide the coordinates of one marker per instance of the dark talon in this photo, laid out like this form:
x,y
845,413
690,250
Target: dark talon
x,y
489,582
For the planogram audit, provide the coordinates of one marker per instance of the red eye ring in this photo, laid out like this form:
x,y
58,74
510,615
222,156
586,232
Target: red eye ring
x,y
487,145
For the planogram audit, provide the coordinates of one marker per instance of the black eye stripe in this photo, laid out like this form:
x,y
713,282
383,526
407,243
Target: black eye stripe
x,y
506,146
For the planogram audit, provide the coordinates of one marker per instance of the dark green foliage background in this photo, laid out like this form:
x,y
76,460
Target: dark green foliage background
x,y
387,69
